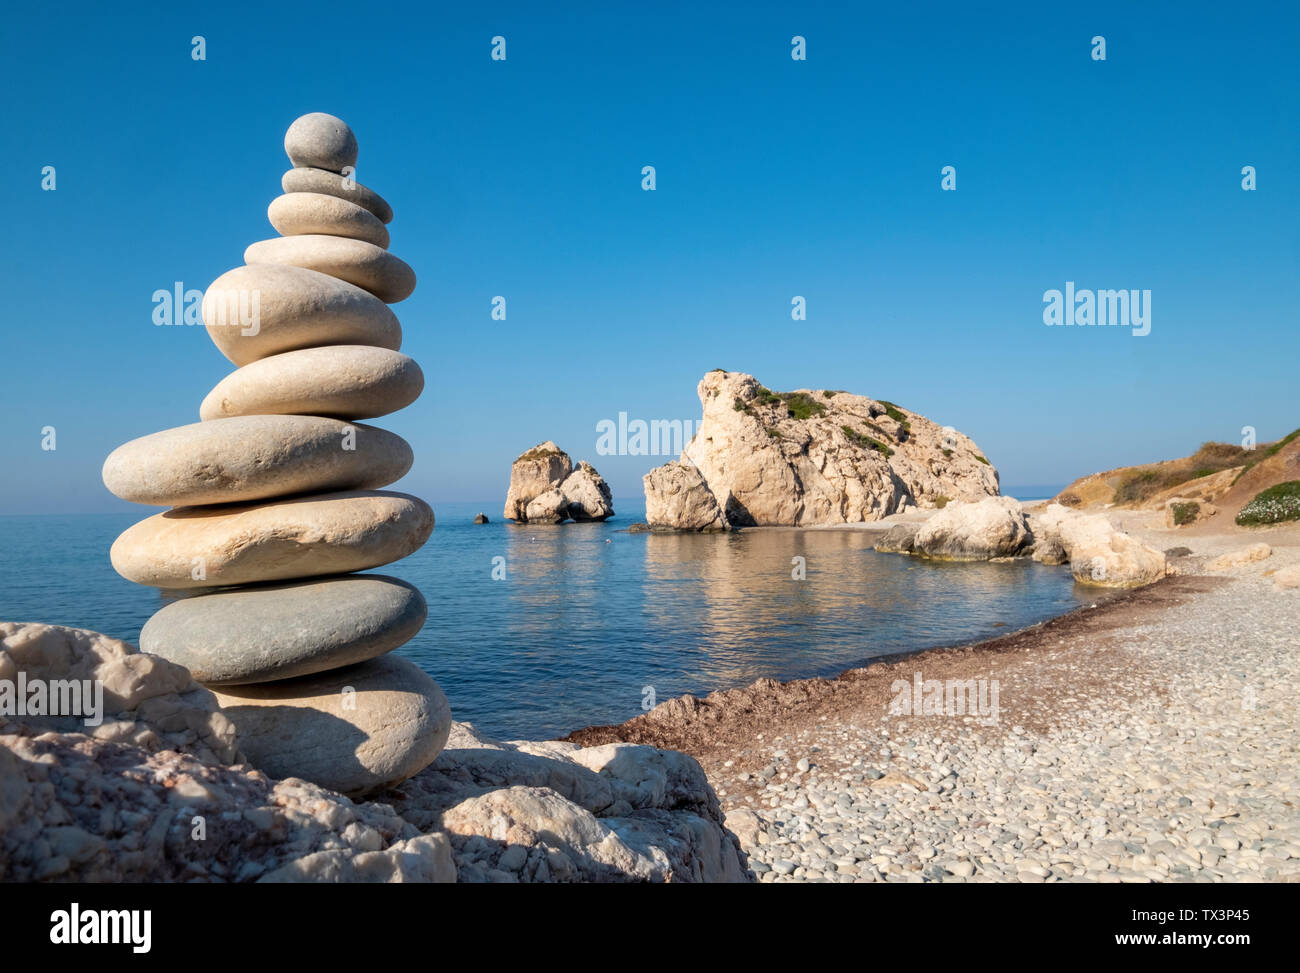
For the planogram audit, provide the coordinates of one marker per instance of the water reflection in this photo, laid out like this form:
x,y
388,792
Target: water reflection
x,y
588,615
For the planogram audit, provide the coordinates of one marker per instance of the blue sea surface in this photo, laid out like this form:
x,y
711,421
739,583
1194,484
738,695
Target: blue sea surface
x,y
588,615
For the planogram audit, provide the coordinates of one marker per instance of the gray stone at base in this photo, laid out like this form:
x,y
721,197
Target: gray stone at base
x,y
282,631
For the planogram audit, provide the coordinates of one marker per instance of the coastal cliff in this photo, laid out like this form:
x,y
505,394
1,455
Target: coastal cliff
x,y
811,457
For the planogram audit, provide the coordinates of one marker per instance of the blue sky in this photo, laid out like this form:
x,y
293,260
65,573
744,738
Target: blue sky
x,y
775,178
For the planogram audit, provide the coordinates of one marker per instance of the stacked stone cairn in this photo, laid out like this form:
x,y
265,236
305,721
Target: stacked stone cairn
x,y
275,495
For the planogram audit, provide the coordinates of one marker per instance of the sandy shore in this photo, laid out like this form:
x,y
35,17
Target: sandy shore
x,y
1149,737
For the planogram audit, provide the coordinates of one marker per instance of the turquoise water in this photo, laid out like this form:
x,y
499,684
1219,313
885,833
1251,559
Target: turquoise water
x,y
589,614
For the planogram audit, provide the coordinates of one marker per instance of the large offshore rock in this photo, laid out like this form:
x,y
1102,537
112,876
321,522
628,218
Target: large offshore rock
x,y
677,498
823,457
587,496
534,472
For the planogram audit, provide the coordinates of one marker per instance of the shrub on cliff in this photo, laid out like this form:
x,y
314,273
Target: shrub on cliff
x,y
1272,506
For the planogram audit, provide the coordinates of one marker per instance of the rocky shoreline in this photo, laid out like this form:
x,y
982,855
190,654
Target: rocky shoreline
x,y
1146,738
160,789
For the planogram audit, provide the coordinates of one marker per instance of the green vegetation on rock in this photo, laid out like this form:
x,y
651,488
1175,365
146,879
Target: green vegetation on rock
x,y
1272,506
895,413
1185,513
802,405
865,442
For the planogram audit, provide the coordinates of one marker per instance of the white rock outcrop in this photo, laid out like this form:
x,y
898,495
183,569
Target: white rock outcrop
x,y
993,527
121,801
814,457
1098,553
545,488
556,812
676,496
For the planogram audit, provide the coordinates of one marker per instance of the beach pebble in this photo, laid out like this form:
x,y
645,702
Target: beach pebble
x,y
367,266
309,536
322,141
354,730
254,458
310,180
283,631
256,311
346,381
294,214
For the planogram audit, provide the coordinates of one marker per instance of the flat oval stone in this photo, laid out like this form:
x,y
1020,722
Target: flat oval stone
x,y
253,458
294,214
360,263
254,312
309,180
355,730
322,140
282,631
303,537
347,381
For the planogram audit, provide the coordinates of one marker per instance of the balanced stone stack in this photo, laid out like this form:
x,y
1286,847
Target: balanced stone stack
x,y
275,494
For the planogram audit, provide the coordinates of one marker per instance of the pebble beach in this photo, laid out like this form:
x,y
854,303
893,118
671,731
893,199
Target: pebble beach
x,y
1147,738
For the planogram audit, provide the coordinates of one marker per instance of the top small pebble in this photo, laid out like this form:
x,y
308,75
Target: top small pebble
x,y
322,142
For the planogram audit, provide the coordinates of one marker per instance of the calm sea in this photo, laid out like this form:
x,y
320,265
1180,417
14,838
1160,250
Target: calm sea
x,y
589,615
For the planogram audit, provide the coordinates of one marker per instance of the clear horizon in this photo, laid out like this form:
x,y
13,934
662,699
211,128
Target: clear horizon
x,y
776,179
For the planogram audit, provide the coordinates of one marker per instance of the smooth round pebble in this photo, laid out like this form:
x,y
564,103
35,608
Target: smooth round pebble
x,y
321,140
347,381
304,537
294,214
367,266
257,311
354,730
254,458
309,180
282,631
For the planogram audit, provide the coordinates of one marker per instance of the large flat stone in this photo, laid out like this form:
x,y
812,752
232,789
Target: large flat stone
x,y
282,631
348,381
354,730
256,311
254,458
303,537
367,266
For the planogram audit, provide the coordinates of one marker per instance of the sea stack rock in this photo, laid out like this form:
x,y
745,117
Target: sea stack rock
x,y
545,488
808,458
274,494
